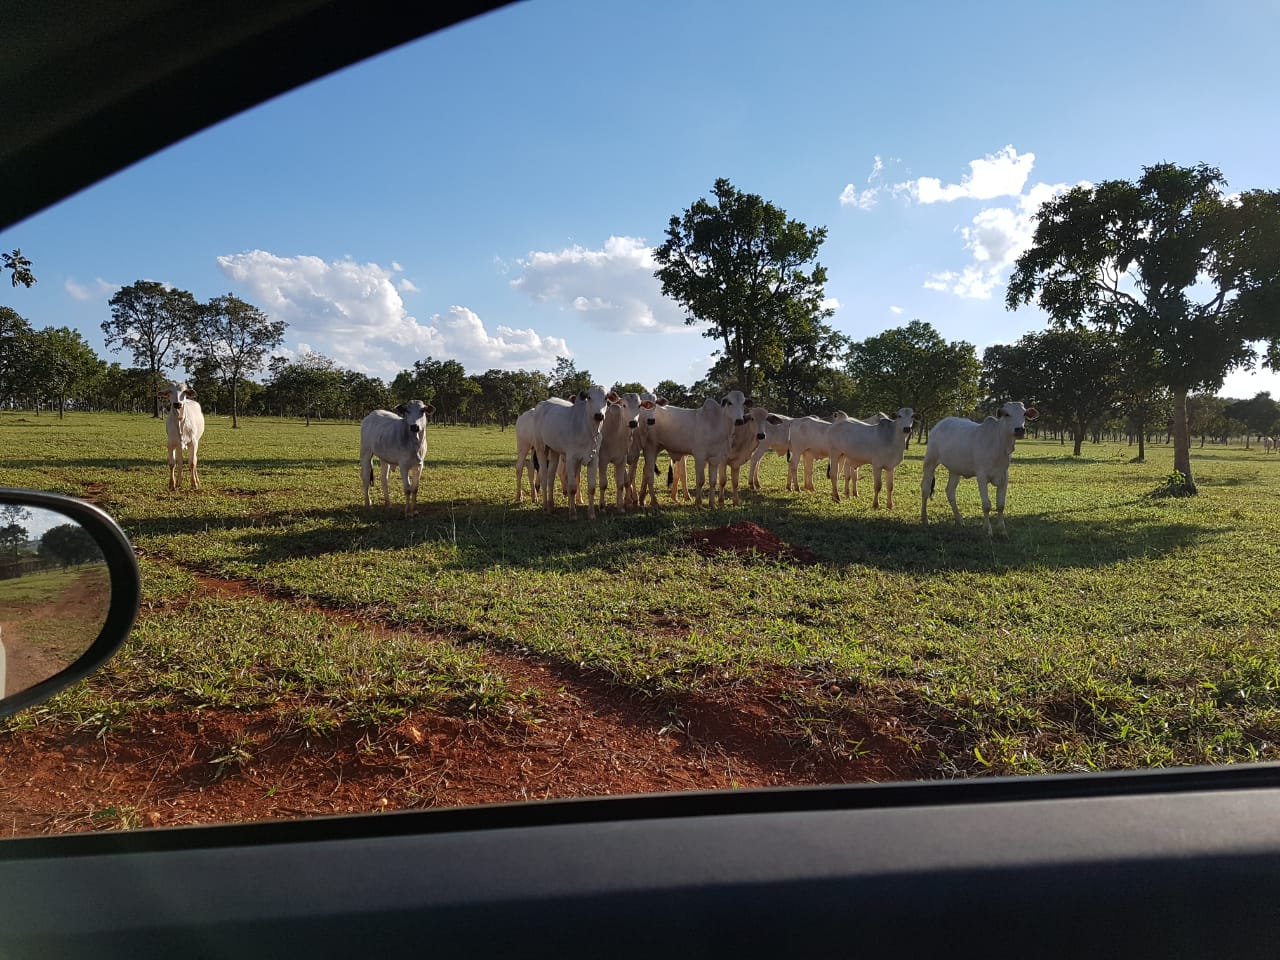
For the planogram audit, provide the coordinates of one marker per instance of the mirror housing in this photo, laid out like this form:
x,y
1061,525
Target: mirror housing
x,y
125,584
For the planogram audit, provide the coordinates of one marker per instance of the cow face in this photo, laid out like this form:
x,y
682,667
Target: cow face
x,y
1014,414
176,395
906,418
595,401
415,414
630,405
735,405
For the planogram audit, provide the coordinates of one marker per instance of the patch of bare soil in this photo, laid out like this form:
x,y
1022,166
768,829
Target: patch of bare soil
x,y
748,538
590,738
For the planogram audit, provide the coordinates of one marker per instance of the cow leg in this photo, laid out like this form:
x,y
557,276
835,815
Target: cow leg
x,y
953,481
853,478
888,503
173,469
1002,486
808,470
833,472
985,495
927,478
734,482
550,461
875,500
366,477
386,482
195,477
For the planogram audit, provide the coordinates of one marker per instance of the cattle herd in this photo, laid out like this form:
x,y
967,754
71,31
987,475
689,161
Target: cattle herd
x,y
595,430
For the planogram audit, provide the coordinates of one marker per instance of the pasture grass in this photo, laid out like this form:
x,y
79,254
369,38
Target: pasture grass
x,y
1111,627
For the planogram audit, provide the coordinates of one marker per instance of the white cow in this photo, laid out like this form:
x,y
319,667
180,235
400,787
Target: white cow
x,y
981,450
397,439
570,432
742,446
185,427
703,433
618,434
880,443
527,457
776,430
1268,444
808,439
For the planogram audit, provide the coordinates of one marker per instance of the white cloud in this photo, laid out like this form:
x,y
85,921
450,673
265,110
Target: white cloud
x,y
1002,174
829,303
895,310
395,267
405,285
612,289
353,313
98,289
864,199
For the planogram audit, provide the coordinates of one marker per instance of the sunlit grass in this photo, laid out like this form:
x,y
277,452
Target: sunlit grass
x,y
1109,629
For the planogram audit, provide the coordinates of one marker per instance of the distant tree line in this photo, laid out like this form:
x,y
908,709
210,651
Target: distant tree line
x,y
1155,290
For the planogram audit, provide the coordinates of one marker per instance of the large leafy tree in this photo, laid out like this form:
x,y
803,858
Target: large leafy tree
x,y
739,265
62,364
565,378
15,354
233,337
442,383
913,366
152,321
310,385
1181,271
1261,414
70,544
1072,376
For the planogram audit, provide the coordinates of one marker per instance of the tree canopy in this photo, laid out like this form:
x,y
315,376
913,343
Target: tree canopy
x,y
913,366
153,322
1183,272
232,337
742,267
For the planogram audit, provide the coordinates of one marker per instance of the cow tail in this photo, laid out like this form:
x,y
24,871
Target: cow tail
x,y
671,476
535,462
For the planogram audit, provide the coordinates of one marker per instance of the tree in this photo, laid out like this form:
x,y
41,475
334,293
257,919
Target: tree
x,y
675,394
1260,415
62,363
738,266
15,354
1178,269
913,366
362,393
1073,376
234,337
566,379
309,386
19,268
13,531
152,321
69,544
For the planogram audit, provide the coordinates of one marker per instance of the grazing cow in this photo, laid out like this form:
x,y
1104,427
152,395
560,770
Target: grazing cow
x,y
397,439
617,437
981,450
775,430
703,433
570,432
808,440
185,427
881,443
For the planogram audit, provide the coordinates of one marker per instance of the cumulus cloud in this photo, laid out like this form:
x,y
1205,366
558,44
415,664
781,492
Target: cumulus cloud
x,y
405,285
612,288
353,313
1002,174
830,303
895,309
96,290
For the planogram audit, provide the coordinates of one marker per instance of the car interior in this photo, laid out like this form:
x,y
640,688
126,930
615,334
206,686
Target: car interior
x,y
1163,863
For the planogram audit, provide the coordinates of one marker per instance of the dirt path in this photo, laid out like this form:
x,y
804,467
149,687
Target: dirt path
x,y
593,738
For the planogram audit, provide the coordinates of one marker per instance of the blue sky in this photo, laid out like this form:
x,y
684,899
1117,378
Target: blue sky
x,y
491,193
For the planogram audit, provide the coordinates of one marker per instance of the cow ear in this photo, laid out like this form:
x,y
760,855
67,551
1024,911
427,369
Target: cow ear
x,y
162,393
189,393
429,409
582,395
773,418
724,401
402,410
662,401
613,397
1033,414
1000,413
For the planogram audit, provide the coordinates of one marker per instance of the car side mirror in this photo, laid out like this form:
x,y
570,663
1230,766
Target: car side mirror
x,y
69,593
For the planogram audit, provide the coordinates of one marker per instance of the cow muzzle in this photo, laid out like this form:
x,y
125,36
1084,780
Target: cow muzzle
x,y
739,422
633,424
599,417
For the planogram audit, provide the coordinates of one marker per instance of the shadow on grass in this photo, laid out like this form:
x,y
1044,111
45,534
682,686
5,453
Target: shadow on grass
x,y
480,535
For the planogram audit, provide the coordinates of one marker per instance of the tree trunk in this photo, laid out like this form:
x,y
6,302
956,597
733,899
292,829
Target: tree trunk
x,y
1077,438
235,404
1142,440
1182,438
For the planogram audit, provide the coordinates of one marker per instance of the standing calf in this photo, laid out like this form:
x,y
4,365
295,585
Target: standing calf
x,y
185,426
981,450
396,439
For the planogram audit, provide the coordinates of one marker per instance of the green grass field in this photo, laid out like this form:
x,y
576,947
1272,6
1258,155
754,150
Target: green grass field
x,y
1110,629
